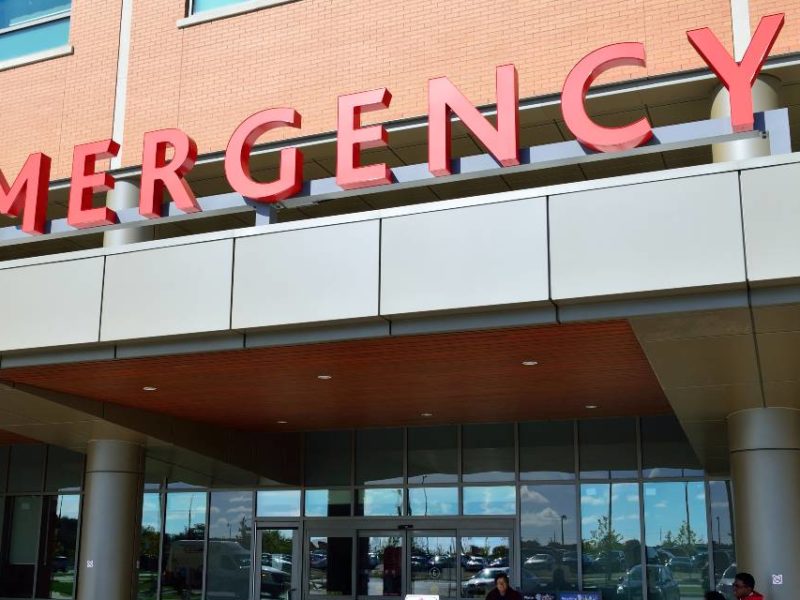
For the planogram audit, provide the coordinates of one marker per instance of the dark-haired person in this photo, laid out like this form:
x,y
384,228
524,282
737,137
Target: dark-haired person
x,y
744,586
714,596
502,589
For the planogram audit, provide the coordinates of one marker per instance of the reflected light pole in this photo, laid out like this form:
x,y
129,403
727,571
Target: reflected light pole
x,y
563,518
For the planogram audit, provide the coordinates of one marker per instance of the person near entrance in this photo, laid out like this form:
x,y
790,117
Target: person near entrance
x,y
502,590
744,587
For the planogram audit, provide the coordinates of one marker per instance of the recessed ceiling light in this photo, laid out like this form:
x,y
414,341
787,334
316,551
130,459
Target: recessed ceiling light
x,y
426,415
530,363
149,388
282,422
591,406
325,377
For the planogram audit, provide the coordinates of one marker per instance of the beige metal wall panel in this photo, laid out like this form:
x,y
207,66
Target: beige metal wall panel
x,y
771,209
168,291
313,275
51,304
471,257
649,237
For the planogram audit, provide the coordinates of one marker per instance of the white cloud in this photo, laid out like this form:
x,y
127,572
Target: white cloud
x,y
660,505
546,516
594,501
530,495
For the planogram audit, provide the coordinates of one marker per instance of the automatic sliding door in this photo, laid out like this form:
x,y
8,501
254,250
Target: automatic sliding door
x,y
483,556
380,563
433,563
329,562
277,553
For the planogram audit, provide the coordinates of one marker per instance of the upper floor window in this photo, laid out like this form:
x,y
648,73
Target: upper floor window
x,y
199,6
32,26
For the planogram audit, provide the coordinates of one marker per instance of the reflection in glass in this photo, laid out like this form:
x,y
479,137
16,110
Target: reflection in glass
x,y
434,501
330,564
230,531
549,542
675,533
547,450
488,452
482,559
490,500
328,456
64,470
611,542
56,574
433,454
22,517
607,448
433,565
149,543
277,552
380,566
379,456
278,503
4,452
25,468
380,502
328,503
184,545
666,451
722,538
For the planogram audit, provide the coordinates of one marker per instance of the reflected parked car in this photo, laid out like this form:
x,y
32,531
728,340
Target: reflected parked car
x,y
474,563
499,562
613,560
319,559
725,585
420,562
483,581
661,585
540,562
274,582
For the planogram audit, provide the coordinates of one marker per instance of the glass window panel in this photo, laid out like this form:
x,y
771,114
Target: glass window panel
x,y
432,502
549,541
56,575
433,454
330,563
547,450
722,535
230,533
488,452
607,448
149,544
676,536
611,543
495,500
64,470
23,515
184,545
38,38
380,566
482,559
433,565
328,503
15,12
204,5
666,451
278,503
380,502
379,456
328,457
25,468
277,555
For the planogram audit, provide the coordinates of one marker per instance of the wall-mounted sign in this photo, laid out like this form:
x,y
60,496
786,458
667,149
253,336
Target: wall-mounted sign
x,y
27,196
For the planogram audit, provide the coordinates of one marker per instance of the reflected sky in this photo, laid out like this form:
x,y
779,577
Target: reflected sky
x,y
184,511
151,511
496,500
278,503
69,506
541,510
231,513
666,506
381,502
432,501
619,500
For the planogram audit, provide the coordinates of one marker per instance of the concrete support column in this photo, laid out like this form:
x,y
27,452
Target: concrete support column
x,y
766,96
765,471
125,195
111,520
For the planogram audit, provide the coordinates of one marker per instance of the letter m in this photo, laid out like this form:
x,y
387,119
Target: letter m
x,y
28,194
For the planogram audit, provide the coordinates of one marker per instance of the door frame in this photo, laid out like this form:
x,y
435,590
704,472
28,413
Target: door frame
x,y
296,591
353,527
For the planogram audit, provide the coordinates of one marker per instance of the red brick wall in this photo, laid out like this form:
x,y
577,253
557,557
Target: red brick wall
x,y
53,105
789,38
207,78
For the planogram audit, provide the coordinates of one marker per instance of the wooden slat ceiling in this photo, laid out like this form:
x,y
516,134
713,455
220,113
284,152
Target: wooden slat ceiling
x,y
457,377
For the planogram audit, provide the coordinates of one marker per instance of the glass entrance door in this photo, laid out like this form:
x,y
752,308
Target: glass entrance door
x,y
277,553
